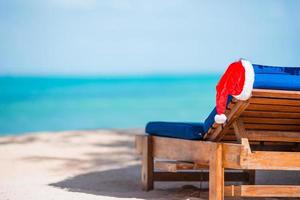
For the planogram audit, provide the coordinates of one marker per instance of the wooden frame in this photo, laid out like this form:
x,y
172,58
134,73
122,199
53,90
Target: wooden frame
x,y
268,122
154,147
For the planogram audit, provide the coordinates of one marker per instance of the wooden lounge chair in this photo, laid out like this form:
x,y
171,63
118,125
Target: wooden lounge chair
x,y
261,133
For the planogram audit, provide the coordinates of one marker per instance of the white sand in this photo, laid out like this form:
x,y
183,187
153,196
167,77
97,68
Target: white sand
x,y
79,165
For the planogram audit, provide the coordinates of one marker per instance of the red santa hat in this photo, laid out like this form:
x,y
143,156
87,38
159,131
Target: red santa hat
x,y
237,81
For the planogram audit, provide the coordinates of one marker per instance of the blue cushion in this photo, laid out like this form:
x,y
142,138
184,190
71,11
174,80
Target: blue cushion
x,y
190,131
278,78
264,69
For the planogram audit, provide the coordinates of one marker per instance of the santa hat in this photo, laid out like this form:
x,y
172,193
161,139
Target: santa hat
x,y
237,81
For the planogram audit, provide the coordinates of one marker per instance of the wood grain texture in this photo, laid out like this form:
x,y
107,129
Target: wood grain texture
x,y
266,120
270,114
269,127
262,191
274,101
276,94
277,136
231,155
216,174
269,121
268,160
183,150
174,166
277,108
218,133
147,164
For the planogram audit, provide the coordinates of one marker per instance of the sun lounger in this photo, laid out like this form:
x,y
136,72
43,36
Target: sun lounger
x,y
260,133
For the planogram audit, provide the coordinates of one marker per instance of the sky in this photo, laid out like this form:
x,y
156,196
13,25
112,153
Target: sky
x,y
99,37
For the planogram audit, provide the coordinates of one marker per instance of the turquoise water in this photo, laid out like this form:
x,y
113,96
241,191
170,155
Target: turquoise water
x,y
30,104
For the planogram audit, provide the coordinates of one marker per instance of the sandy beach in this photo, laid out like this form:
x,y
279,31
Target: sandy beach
x,y
78,165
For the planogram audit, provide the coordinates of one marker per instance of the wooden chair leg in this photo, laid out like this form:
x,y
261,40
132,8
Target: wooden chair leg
x,y
216,175
147,164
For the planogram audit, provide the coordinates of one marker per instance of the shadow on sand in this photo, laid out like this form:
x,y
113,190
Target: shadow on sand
x,y
125,183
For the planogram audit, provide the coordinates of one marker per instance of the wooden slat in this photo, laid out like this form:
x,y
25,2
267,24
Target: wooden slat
x,y
199,152
279,136
276,94
267,127
231,191
290,108
233,114
272,127
174,166
277,108
183,150
268,160
262,191
272,101
216,128
270,114
258,120
237,156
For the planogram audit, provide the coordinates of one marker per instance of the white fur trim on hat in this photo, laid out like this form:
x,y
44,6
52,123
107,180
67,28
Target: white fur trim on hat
x,y
220,119
249,80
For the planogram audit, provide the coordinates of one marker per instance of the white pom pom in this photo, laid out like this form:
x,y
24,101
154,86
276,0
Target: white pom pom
x,y
220,119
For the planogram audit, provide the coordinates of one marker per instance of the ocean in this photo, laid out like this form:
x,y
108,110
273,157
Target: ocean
x,y
31,104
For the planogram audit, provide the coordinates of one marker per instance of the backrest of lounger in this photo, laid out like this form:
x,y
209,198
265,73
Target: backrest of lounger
x,y
269,115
